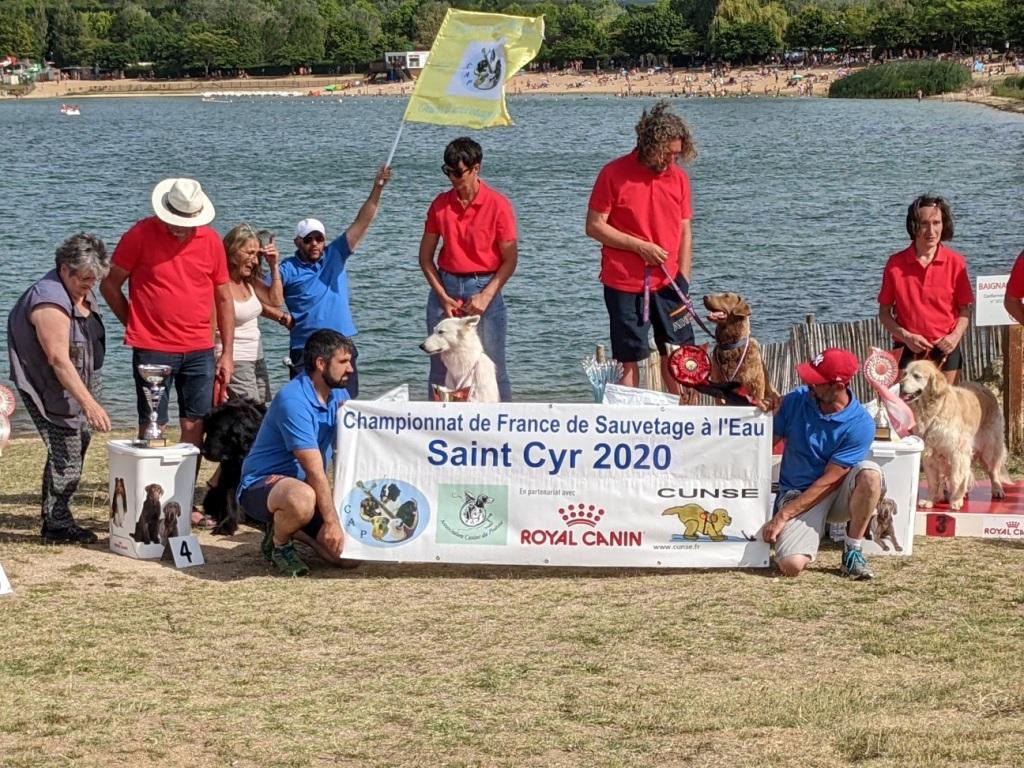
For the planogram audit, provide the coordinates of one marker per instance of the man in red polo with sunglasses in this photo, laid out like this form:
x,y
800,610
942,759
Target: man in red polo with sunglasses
x,y
476,227
315,280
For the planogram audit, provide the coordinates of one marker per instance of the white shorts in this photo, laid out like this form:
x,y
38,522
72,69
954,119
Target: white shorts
x,y
802,534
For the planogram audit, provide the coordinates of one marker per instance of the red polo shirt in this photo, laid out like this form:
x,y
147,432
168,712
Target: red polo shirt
x,y
170,286
927,300
470,234
645,204
1015,285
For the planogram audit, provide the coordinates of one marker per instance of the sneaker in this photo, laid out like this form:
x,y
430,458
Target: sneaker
x,y
267,545
288,561
73,534
855,566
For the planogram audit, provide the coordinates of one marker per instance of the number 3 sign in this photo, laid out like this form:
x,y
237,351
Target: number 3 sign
x,y
186,551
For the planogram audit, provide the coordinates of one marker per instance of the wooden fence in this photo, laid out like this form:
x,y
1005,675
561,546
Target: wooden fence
x,y
982,350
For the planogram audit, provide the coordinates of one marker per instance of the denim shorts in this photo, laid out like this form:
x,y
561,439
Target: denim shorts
x,y
628,331
192,376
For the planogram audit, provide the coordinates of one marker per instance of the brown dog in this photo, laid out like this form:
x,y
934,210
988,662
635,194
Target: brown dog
x,y
957,424
883,526
737,355
147,527
169,529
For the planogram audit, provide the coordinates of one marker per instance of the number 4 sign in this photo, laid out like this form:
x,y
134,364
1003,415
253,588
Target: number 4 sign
x,y
186,551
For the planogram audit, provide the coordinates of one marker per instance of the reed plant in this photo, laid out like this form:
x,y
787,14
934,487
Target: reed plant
x,y
1011,88
901,80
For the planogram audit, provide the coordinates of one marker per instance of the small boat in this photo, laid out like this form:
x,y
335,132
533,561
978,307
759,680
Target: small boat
x,y
70,110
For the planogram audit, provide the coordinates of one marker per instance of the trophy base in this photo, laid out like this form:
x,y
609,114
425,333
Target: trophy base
x,y
883,433
150,442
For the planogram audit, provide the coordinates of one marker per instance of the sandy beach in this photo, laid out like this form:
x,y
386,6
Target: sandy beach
x,y
750,81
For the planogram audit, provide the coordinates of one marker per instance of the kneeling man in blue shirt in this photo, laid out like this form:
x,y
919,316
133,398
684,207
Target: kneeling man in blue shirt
x,y
824,475
284,477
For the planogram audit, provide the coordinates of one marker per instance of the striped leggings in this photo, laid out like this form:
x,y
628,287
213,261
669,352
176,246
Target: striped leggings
x,y
65,455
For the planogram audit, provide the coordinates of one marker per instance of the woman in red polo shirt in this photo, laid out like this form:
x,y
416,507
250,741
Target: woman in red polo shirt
x,y
476,227
926,297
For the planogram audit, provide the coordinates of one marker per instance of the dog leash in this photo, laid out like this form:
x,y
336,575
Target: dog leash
x,y
687,304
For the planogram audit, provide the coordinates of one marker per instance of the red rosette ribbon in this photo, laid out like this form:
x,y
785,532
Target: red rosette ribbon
x,y
6,400
690,365
881,369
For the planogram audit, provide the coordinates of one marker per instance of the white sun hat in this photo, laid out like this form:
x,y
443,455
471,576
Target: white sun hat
x,y
309,226
182,202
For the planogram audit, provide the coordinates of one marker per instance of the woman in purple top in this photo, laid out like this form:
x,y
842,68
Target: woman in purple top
x,y
56,342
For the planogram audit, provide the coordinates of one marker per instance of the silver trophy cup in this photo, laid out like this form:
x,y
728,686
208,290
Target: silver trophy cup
x,y
155,377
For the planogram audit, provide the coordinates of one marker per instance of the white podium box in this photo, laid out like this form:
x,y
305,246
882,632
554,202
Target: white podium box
x,y
900,461
150,491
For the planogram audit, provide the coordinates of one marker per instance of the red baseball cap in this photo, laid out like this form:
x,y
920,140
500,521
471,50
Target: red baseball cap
x,y
834,364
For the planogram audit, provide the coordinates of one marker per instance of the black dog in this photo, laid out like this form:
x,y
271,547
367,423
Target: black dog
x,y
229,431
147,527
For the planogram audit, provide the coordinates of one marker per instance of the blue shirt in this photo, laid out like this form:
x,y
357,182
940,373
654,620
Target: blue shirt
x,y
316,292
815,439
296,421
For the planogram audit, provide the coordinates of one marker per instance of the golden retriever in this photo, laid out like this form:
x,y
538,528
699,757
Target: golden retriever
x,y
957,424
737,355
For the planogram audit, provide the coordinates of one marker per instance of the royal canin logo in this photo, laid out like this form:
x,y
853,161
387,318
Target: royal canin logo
x,y
586,516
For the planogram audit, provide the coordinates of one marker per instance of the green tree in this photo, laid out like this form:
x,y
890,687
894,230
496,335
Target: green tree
x,y
397,27
576,36
209,49
656,29
66,35
813,27
16,35
427,22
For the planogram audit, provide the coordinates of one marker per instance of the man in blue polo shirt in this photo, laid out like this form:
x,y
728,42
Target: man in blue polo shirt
x,y
284,478
315,280
824,474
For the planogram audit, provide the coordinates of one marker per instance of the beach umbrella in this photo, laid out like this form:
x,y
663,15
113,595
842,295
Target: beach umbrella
x,y
601,372
5,432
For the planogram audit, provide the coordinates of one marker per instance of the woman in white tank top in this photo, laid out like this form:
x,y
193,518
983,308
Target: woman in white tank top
x,y
252,298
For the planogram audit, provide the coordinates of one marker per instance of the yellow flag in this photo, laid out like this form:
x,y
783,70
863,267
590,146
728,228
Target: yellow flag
x,y
473,56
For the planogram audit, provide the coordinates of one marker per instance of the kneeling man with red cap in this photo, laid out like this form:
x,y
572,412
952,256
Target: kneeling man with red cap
x,y
824,475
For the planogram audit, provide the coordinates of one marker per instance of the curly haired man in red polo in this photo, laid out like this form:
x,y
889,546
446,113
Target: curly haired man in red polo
x,y
640,212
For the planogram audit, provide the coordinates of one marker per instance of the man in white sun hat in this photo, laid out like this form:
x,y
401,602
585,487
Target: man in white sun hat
x,y
315,280
177,272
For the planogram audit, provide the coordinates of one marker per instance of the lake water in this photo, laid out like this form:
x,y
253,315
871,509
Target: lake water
x,y
797,204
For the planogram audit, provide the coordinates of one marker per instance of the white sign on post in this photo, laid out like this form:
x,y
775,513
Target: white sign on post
x,y
547,484
988,307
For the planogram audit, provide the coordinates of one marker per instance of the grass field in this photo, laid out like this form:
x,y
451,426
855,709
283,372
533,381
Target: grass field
x,y
106,660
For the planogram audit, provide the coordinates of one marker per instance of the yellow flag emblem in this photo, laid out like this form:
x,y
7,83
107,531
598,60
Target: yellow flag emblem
x,y
473,56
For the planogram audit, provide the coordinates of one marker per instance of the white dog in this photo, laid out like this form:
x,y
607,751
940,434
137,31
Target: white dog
x,y
467,367
957,424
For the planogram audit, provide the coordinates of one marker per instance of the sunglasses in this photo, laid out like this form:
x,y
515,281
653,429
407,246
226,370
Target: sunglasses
x,y
454,173
313,237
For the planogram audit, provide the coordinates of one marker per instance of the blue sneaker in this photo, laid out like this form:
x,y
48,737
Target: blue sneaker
x,y
855,566
288,561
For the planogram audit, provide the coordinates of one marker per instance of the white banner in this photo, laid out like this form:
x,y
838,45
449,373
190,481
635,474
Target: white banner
x,y
546,484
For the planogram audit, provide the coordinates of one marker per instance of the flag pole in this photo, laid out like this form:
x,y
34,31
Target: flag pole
x,y
391,154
